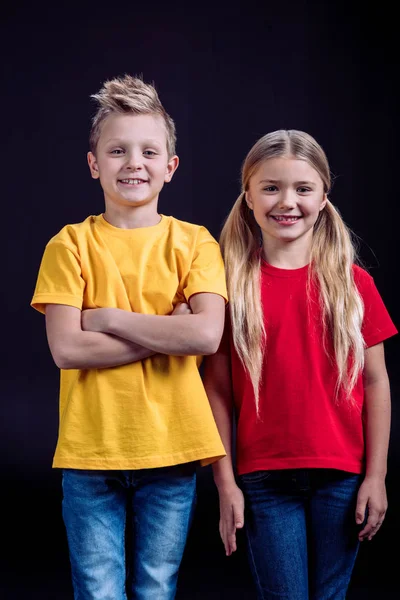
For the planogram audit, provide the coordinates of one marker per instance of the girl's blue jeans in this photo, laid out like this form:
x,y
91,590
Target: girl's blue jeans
x,y
301,532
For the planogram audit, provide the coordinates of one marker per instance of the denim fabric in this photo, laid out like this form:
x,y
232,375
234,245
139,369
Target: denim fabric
x,y
95,507
301,532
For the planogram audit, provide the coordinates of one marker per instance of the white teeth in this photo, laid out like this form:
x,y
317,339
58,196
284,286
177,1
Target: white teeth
x,y
286,218
132,181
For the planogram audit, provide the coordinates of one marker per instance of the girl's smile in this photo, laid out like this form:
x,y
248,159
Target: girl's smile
x,y
286,196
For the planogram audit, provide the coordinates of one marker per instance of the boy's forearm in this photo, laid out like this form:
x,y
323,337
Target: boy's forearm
x,y
179,335
377,427
93,350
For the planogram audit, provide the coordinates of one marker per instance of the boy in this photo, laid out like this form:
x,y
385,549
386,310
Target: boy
x,y
134,417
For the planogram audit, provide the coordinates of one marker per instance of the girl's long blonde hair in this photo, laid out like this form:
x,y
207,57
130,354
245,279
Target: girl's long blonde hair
x,y
332,258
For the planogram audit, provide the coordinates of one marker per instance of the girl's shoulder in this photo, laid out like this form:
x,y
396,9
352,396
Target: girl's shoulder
x,y
361,277
365,284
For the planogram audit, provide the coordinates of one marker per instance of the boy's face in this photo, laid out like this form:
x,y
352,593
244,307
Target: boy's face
x,y
131,159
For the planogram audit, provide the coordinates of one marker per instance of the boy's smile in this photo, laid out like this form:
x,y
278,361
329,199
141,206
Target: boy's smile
x,y
132,181
132,161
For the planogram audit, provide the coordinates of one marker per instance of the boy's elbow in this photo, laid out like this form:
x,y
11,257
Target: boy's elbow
x,y
62,358
211,341
61,361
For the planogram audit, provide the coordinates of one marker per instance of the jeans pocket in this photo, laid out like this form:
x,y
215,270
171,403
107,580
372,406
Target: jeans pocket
x,y
254,476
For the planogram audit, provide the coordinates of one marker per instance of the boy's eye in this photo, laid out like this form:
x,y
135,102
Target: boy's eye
x,y
149,153
117,151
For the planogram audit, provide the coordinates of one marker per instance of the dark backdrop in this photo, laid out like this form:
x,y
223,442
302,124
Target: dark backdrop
x,y
227,76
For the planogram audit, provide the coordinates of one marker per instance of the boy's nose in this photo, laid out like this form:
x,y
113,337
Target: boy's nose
x,y
134,161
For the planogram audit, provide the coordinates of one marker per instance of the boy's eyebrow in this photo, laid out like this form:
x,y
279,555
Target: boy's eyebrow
x,y
124,141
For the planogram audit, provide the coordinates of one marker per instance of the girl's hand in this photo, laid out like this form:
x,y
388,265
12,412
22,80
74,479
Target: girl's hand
x,y
231,510
371,495
182,308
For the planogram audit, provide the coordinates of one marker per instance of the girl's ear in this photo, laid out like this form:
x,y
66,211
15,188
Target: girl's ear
x,y
324,201
248,199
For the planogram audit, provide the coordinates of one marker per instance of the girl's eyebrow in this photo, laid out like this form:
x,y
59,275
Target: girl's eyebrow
x,y
296,182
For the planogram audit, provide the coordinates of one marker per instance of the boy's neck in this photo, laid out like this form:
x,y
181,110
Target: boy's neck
x,y
287,255
132,217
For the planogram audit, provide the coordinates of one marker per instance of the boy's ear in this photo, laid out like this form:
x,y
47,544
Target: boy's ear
x,y
94,170
171,168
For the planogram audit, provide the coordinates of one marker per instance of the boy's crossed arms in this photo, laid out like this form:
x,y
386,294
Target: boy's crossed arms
x,y
109,337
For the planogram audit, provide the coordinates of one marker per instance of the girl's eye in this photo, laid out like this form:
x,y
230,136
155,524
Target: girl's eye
x,y
270,188
303,190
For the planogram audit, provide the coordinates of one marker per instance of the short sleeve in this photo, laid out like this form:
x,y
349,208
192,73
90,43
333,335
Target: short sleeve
x,y
207,273
377,324
59,280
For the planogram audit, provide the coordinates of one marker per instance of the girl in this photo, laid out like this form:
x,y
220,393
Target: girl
x,y
303,361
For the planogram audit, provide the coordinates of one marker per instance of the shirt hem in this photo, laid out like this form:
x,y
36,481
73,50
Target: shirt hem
x,y
381,336
40,300
301,463
206,290
205,457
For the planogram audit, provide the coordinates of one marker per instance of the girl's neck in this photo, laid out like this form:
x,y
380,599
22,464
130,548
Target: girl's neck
x,y
287,255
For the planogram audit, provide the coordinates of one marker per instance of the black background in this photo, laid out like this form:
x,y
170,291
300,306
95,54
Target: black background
x,y
226,76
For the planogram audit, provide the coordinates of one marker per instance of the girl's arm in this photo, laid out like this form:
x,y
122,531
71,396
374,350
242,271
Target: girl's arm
x,y
372,493
218,385
73,348
192,334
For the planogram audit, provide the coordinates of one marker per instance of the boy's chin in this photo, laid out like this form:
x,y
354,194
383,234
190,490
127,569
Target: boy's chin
x,y
137,202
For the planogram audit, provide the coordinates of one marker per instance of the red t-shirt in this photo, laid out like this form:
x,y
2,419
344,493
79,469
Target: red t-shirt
x,y
301,425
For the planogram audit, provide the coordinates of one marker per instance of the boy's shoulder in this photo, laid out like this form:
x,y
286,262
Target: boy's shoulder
x,y
75,233
193,230
69,234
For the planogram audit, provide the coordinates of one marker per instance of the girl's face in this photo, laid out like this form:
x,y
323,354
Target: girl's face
x,y
286,196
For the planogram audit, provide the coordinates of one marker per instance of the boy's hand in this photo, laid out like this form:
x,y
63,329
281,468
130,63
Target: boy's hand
x,y
94,319
231,511
182,308
372,494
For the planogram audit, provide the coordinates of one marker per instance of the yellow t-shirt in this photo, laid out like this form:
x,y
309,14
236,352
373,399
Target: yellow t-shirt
x,y
154,412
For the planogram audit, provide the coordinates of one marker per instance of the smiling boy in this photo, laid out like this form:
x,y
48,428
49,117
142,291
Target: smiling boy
x,y
131,298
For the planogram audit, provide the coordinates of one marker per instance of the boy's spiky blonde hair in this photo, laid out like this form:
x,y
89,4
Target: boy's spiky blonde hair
x,y
124,95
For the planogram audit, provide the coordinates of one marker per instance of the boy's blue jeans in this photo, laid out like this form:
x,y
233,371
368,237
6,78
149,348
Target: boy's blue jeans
x,y
94,511
301,532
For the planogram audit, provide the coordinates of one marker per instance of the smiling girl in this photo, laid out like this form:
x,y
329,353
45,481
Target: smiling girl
x,y
302,363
